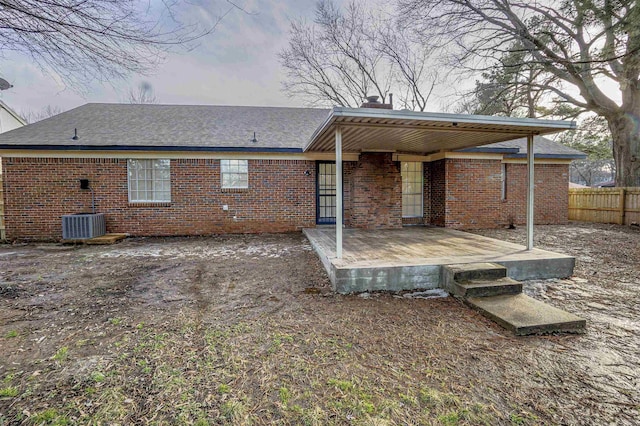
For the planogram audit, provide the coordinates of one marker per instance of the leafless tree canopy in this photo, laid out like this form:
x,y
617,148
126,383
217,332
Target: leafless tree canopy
x,y
86,40
143,94
585,51
346,55
31,116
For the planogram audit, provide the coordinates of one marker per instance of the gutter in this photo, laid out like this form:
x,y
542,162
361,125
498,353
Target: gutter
x,y
560,156
149,148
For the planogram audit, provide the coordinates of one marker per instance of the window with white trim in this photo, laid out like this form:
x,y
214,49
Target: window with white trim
x,y
412,197
149,181
234,174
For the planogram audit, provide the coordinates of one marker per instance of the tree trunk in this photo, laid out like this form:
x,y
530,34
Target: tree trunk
x,y
625,130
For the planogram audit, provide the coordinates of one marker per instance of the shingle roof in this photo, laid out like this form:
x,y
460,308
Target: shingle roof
x,y
203,127
542,147
166,126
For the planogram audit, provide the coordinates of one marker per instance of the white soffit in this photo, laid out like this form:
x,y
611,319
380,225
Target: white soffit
x,y
367,129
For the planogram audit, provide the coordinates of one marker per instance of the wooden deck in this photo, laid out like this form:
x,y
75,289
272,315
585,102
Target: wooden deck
x,y
411,257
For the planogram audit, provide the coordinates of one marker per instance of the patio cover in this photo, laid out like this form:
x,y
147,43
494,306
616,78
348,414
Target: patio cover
x,y
383,130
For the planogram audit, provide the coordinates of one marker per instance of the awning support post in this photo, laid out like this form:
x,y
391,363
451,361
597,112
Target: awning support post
x,y
530,191
338,192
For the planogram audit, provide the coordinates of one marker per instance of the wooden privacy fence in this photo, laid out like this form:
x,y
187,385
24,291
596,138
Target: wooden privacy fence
x,y
605,205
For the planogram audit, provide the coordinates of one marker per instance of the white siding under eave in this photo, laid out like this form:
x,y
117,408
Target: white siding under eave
x,y
8,121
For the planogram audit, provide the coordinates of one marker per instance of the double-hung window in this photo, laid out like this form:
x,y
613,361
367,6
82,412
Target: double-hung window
x,y
149,181
234,174
411,189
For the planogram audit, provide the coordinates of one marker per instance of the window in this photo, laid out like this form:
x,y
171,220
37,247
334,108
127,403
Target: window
x,y
234,173
149,181
503,178
411,189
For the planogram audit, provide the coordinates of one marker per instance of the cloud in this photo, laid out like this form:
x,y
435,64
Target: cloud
x,y
236,65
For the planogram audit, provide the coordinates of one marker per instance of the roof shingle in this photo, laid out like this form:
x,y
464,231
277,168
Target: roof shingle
x,y
196,127
189,126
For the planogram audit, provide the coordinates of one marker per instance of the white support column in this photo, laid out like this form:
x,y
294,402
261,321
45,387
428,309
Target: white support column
x,y
338,192
530,191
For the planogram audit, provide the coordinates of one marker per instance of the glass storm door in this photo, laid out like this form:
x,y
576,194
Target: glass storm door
x,y
326,193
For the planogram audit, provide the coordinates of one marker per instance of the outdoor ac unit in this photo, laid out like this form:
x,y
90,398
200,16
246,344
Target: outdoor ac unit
x,y
83,226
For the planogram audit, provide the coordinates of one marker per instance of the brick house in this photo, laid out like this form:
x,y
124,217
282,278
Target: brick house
x,y
160,170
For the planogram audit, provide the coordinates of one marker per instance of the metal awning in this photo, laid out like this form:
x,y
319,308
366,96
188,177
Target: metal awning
x,y
367,129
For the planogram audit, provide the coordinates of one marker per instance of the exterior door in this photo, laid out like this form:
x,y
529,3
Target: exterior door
x,y
326,193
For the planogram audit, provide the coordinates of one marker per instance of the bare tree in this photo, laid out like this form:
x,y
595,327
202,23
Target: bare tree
x,y
346,55
143,94
584,48
86,40
31,116
506,89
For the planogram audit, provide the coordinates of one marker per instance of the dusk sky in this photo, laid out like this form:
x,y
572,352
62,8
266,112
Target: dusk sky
x,y
236,65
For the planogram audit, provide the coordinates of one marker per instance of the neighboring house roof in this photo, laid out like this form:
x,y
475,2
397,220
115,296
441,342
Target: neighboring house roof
x,y
577,186
542,148
18,121
605,184
216,128
189,127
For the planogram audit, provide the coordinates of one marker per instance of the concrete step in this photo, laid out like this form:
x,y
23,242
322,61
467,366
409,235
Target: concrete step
x,y
465,272
486,288
524,315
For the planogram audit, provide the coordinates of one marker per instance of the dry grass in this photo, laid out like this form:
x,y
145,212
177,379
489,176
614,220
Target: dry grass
x,y
215,338
255,372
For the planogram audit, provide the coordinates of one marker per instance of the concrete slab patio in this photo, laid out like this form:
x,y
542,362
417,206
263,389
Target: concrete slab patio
x,y
413,257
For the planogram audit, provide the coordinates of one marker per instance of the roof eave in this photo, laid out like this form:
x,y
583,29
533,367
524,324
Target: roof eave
x,y
13,113
149,148
490,150
558,156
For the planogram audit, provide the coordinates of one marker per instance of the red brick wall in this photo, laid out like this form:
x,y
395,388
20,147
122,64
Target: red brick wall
x,y
376,192
438,192
551,194
473,191
280,197
347,186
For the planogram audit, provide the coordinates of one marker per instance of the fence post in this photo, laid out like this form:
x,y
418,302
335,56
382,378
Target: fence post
x,y
622,205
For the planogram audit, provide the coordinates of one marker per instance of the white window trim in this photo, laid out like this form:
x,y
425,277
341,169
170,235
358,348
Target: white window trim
x,y
222,174
421,193
131,201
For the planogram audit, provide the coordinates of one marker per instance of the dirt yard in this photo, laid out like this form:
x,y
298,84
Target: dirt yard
x,y
244,330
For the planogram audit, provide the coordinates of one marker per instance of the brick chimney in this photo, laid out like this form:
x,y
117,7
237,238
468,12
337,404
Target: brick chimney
x,y
373,102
